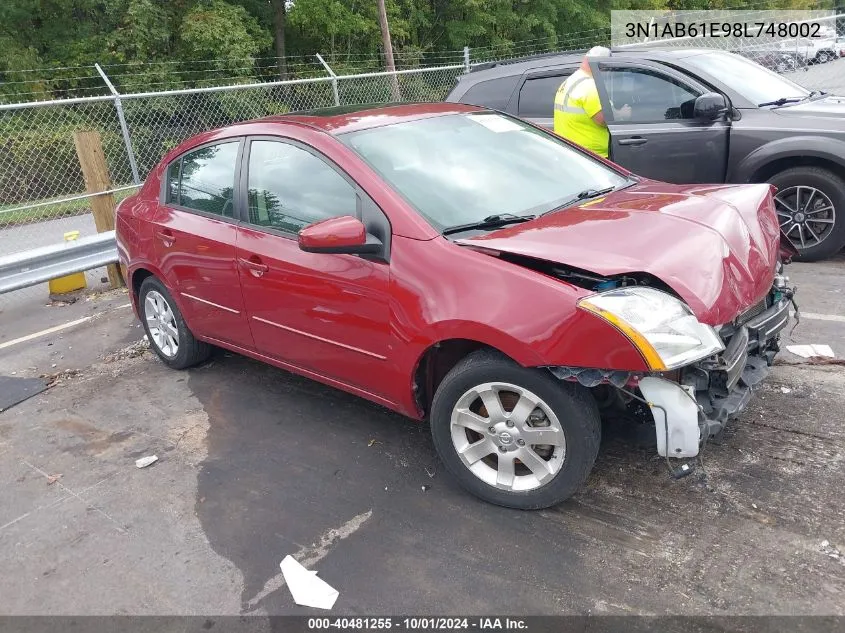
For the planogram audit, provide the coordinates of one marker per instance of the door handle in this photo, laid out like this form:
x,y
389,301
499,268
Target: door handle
x,y
254,265
166,236
634,140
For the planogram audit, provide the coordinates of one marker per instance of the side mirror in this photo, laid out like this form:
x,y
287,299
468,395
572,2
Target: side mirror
x,y
341,235
710,106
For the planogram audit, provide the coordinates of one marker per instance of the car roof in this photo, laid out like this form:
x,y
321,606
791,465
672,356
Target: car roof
x,y
342,119
518,66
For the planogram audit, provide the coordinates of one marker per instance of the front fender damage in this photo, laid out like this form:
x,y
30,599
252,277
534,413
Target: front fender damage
x,y
694,403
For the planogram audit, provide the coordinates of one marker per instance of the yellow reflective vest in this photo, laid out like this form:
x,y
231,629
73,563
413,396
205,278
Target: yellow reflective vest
x,y
576,102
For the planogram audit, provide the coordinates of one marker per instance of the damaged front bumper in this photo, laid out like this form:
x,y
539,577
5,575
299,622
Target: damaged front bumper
x,y
690,404
701,398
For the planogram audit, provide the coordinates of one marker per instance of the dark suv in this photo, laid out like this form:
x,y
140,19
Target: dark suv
x,y
700,116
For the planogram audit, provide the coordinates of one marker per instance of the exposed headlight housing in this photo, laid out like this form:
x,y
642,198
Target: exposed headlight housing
x,y
661,327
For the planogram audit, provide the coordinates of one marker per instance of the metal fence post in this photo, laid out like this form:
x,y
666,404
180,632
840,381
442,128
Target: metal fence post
x,y
466,59
127,141
334,79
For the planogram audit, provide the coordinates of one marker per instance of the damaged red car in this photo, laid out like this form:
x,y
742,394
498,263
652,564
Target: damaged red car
x,y
464,267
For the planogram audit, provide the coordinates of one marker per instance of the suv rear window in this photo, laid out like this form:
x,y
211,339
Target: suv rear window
x,y
537,95
493,93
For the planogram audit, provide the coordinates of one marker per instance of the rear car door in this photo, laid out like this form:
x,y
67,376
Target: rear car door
x,y
327,313
195,231
535,99
661,140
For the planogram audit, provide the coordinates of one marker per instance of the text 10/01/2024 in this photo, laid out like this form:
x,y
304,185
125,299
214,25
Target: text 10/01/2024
x,y
418,624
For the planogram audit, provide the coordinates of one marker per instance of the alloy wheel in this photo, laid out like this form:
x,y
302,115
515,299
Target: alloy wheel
x,y
508,437
805,214
161,323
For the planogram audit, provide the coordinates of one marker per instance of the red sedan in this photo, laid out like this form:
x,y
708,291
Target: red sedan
x,y
462,266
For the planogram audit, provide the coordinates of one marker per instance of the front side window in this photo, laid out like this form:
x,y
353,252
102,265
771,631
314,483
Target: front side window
x,y
537,96
206,180
290,188
752,81
461,168
651,95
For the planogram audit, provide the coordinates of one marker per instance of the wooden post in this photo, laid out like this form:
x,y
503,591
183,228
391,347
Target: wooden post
x,y
89,149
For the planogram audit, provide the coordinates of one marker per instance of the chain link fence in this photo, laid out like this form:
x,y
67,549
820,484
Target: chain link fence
x,y
806,46
42,191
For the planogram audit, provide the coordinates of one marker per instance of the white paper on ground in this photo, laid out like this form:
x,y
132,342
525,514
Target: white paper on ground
x,y
307,590
146,461
808,351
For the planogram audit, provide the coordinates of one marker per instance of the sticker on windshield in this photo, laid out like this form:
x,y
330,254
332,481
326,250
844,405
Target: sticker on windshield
x,y
495,122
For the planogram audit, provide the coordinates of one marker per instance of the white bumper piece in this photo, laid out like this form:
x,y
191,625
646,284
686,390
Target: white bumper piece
x,y
681,416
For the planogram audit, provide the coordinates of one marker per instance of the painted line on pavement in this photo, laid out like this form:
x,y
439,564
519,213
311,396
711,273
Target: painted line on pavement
x,y
813,316
310,556
58,328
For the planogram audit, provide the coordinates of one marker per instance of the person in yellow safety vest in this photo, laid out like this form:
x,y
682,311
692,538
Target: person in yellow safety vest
x,y
578,115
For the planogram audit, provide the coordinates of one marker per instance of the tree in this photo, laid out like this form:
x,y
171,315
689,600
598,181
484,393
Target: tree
x,y
216,30
142,34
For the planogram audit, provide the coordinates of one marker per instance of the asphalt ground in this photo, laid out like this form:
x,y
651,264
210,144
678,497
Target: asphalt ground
x,y
256,463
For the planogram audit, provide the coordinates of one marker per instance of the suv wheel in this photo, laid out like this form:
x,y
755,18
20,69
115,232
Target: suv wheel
x,y
823,57
810,204
166,330
513,436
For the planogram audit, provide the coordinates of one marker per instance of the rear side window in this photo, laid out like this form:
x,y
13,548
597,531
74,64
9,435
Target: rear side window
x,y
206,180
493,93
537,96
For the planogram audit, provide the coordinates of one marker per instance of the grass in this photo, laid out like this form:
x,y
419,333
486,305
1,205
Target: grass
x,y
10,215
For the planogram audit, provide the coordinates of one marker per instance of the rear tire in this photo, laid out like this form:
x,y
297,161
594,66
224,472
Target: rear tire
x,y
166,329
831,186
524,404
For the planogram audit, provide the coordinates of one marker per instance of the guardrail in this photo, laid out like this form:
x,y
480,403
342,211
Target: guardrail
x,y
28,268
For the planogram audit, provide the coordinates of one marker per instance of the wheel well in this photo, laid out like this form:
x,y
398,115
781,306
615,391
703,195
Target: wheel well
x,y
437,361
138,278
776,166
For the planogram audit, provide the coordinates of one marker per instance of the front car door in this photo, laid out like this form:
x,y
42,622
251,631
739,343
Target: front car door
x,y
195,229
661,140
321,312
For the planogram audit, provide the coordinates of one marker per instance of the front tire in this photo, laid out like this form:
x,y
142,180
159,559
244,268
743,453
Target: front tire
x,y
514,436
166,329
810,204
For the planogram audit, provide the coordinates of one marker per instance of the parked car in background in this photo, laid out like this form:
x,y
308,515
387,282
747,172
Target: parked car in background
x,y
700,116
779,61
462,266
811,50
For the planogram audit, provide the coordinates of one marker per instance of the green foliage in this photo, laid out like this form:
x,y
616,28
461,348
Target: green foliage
x,y
218,30
39,156
142,34
162,44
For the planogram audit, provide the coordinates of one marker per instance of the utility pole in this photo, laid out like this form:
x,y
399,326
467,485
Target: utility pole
x,y
279,19
388,51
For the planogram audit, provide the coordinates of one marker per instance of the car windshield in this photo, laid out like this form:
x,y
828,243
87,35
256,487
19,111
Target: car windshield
x,y
461,168
752,81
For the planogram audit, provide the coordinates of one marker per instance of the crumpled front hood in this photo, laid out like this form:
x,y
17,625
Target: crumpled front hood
x,y
715,245
831,106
